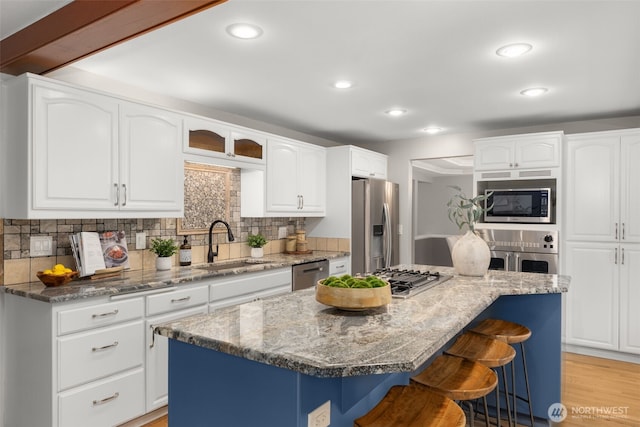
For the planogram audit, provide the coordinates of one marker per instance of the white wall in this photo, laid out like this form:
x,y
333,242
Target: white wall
x,y
402,152
431,214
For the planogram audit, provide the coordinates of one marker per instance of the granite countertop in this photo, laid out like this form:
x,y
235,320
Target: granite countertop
x,y
296,332
148,280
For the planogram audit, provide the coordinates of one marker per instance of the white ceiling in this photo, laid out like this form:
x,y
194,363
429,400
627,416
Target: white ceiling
x,y
436,59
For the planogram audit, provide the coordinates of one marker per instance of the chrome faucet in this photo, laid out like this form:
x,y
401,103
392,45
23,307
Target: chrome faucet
x,y
211,254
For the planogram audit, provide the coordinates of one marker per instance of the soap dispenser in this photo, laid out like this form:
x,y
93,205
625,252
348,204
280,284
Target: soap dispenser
x,y
185,253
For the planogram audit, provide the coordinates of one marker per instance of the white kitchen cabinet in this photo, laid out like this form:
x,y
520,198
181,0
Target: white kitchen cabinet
x,y
603,187
157,355
602,241
527,151
247,287
339,266
630,298
368,164
88,154
592,300
223,142
601,305
294,183
82,361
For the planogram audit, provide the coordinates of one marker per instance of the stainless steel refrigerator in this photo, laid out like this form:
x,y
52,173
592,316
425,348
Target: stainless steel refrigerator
x,y
374,225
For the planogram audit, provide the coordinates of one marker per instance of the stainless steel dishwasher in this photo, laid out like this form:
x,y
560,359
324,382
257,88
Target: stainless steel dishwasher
x,y
306,275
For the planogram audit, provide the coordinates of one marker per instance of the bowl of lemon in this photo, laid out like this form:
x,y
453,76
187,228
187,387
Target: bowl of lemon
x,y
353,293
58,275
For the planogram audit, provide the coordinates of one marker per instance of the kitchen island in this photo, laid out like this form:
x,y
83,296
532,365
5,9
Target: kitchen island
x,y
272,361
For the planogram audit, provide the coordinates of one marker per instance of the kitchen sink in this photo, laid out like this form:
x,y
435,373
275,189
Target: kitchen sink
x,y
231,264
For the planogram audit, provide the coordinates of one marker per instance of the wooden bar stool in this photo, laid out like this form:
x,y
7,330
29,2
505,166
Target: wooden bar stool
x,y
491,353
511,333
412,406
459,379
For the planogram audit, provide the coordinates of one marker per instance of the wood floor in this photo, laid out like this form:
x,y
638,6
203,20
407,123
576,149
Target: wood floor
x,y
589,384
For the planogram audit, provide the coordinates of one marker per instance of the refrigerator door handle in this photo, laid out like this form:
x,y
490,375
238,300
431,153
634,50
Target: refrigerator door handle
x,y
386,238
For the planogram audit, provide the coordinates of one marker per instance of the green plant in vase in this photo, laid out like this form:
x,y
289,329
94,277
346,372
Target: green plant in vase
x,y
164,249
256,242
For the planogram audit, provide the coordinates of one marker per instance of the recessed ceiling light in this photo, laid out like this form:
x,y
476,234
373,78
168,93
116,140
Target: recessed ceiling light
x,y
534,91
343,84
244,31
514,50
396,112
432,130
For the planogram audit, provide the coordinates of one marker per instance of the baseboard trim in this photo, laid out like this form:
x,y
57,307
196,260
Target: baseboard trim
x,y
605,354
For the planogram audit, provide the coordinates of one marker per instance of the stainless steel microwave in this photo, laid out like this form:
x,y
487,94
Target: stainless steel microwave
x,y
521,205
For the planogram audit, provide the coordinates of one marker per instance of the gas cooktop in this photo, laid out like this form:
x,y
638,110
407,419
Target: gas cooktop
x,y
407,283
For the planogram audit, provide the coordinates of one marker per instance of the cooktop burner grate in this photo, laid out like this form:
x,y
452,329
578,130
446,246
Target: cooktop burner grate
x,y
406,283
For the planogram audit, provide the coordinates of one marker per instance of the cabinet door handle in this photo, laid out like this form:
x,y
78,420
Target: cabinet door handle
x,y
153,337
302,202
616,230
623,231
106,399
124,187
622,261
515,165
339,267
109,313
175,300
510,165
117,194
615,257
105,347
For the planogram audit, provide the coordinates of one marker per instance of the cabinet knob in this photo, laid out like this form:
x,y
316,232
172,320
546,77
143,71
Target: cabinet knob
x,y
510,165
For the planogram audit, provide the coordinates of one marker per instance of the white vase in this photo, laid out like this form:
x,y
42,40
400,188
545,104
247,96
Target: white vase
x,y
471,255
257,252
163,263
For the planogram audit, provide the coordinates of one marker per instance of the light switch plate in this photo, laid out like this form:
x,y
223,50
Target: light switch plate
x,y
141,240
282,233
321,416
41,246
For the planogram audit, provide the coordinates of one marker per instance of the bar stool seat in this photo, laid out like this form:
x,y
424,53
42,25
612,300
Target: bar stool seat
x,y
511,333
412,406
458,379
490,352
503,330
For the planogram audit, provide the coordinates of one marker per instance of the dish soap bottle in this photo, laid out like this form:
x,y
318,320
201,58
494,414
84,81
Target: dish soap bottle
x,y
185,253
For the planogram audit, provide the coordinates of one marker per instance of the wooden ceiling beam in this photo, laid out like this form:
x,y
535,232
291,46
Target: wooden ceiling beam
x,y
84,27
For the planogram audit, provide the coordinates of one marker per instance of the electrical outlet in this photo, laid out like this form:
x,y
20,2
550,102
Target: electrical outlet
x,y
40,246
321,416
141,240
282,233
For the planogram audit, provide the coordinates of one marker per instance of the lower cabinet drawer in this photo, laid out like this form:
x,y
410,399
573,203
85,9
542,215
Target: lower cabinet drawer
x,y
177,300
104,403
87,356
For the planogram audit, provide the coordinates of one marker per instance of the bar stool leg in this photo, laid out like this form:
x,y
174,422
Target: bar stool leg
x,y
506,394
515,395
486,411
526,380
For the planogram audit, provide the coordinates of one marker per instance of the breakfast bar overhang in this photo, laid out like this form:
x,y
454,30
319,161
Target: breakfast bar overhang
x,y
271,362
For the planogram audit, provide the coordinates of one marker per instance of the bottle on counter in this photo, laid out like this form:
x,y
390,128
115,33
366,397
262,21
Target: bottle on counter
x,y
291,243
185,253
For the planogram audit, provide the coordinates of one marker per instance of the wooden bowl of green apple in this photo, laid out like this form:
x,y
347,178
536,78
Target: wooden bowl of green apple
x,y
353,293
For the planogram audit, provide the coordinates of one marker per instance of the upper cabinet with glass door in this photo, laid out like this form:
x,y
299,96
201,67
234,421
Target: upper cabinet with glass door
x,y
211,138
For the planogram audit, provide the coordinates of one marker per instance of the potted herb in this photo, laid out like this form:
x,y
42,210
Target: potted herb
x,y
470,253
164,249
256,242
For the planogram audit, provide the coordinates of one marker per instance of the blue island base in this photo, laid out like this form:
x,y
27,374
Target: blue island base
x,y
208,388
